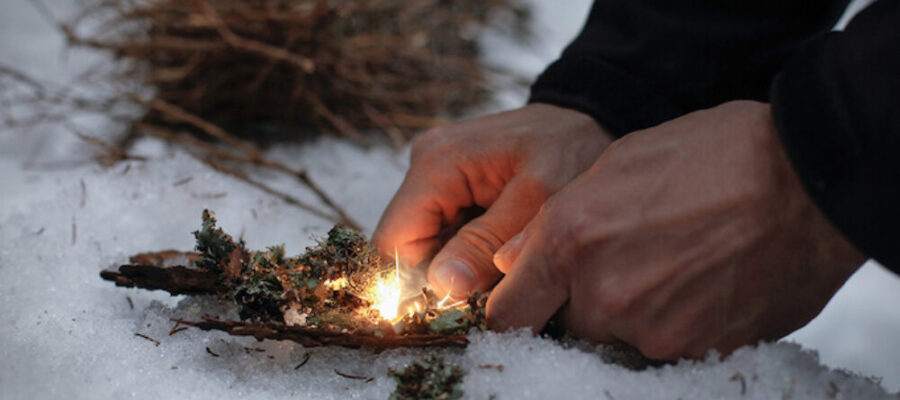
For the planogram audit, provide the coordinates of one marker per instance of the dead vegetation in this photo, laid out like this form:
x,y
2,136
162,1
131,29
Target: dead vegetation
x,y
224,78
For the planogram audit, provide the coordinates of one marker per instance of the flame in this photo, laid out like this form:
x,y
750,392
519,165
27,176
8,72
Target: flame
x,y
336,284
385,294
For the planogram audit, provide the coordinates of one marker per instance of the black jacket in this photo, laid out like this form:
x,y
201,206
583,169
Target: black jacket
x,y
835,95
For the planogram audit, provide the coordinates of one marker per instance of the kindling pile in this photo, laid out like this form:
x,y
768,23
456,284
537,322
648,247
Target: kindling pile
x,y
339,292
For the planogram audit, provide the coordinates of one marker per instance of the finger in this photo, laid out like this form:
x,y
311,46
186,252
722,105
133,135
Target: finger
x,y
531,293
507,254
426,200
465,263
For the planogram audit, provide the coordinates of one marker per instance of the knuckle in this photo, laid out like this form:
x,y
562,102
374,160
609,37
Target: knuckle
x,y
426,140
536,186
438,145
557,224
481,237
614,304
616,145
569,236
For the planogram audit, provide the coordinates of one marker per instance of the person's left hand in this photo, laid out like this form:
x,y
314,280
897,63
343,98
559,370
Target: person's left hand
x,y
689,236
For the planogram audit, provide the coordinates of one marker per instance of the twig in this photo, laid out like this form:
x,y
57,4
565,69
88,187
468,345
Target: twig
x,y
112,154
739,377
315,337
83,193
141,335
214,157
348,376
306,65
180,115
208,350
175,327
221,167
304,361
498,367
22,77
146,273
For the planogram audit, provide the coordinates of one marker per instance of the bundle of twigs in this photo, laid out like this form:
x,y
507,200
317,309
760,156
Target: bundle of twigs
x,y
341,66
326,296
216,77
163,271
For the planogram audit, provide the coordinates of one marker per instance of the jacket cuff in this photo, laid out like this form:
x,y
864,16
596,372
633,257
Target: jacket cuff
x,y
616,100
845,181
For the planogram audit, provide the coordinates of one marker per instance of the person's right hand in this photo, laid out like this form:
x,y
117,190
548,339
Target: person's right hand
x,y
507,164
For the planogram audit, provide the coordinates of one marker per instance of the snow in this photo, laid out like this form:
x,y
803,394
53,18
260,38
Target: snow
x,y
65,332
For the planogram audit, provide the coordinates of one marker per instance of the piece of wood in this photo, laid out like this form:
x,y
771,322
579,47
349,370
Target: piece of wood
x,y
147,271
316,337
175,280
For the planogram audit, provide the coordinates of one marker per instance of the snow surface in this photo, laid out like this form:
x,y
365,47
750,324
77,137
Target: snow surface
x,y
66,333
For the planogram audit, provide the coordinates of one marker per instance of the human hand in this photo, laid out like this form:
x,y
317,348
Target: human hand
x,y
689,236
508,164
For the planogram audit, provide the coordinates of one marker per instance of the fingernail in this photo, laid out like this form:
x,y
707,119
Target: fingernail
x,y
455,275
504,251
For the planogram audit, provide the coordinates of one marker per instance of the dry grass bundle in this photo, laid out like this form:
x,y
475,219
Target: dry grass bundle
x,y
219,77
341,66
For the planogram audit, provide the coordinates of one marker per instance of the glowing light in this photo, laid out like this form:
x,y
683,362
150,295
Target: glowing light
x,y
454,305
336,284
443,301
385,294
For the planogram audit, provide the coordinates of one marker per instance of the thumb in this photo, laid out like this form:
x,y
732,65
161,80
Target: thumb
x,y
466,262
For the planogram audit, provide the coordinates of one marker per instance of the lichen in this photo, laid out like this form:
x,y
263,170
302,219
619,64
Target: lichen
x,y
323,287
213,244
428,377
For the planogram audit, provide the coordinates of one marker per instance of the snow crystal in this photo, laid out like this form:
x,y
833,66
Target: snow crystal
x,y
65,332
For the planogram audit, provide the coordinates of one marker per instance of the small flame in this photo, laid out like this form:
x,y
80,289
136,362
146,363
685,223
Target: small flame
x,y
336,284
386,293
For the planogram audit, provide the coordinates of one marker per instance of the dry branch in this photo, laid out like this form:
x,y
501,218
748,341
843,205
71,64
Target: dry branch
x,y
147,271
175,280
315,337
343,67
231,74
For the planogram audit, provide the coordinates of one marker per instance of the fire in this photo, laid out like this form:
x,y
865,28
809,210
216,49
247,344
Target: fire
x,y
385,294
337,284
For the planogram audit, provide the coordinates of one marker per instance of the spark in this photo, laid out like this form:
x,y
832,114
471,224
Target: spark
x,y
386,293
454,305
443,301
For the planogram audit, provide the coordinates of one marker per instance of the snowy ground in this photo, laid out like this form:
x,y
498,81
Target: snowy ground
x,y
64,332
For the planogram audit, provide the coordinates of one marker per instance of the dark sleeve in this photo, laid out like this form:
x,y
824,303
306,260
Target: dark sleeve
x,y
638,63
837,108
